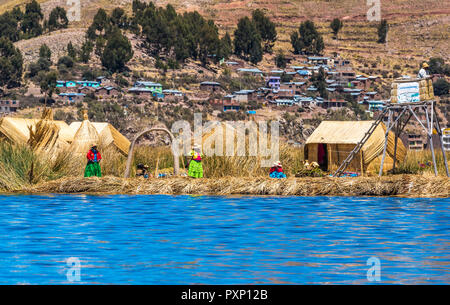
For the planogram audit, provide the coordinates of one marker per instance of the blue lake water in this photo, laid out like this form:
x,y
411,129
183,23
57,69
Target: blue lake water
x,y
158,239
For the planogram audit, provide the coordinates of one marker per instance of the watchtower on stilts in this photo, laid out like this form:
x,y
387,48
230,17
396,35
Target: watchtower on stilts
x,y
399,115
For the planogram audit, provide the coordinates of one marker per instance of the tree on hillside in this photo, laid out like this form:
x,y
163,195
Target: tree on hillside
x,y
138,9
86,49
43,63
71,51
17,13
247,41
117,52
119,18
441,87
45,52
319,81
100,44
138,6
100,25
438,66
382,29
31,22
48,83
57,19
226,47
67,61
177,36
161,34
266,29
336,25
209,42
307,39
11,64
9,27
280,60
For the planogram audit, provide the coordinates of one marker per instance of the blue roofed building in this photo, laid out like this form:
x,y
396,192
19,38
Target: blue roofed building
x,y
71,97
252,71
152,86
88,83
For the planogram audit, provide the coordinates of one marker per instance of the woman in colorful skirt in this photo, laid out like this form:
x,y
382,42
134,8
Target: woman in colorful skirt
x,y
276,171
93,164
195,165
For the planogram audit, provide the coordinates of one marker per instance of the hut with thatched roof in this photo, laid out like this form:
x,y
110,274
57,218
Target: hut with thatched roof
x,y
17,130
102,133
331,142
46,134
86,135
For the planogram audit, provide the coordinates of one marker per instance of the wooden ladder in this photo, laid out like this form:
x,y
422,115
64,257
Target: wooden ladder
x,y
360,144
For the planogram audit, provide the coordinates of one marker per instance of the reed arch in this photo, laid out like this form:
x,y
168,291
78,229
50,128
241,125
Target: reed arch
x,y
176,161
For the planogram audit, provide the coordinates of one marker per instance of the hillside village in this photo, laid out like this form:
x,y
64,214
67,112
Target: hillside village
x,y
301,91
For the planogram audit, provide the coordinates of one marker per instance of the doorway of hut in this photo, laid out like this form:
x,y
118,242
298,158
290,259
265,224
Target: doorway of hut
x,y
322,156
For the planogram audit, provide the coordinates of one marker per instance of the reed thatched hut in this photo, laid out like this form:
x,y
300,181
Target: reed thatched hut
x,y
16,130
46,134
332,142
86,135
105,134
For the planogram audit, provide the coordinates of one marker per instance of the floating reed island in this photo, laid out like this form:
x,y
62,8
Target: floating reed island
x,y
47,156
398,185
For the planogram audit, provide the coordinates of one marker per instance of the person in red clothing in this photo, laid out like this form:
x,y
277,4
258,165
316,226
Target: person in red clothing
x,y
276,171
93,165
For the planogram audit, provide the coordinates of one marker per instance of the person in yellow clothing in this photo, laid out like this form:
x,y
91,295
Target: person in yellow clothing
x,y
195,165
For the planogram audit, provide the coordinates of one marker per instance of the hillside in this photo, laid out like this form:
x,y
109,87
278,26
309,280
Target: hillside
x,y
418,29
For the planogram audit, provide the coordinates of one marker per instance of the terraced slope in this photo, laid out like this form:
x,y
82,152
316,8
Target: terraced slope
x,y
419,28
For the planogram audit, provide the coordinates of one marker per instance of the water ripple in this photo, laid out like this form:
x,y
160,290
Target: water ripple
x,y
159,239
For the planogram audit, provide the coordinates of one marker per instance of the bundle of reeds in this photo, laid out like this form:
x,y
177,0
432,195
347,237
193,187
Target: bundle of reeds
x,y
45,135
21,166
400,185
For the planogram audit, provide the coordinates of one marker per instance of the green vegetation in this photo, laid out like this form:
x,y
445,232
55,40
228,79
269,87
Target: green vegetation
x,y
11,64
43,63
251,34
57,19
31,22
307,40
117,51
438,66
119,18
113,48
48,83
17,25
280,60
66,61
318,80
86,49
9,26
266,29
421,162
71,51
336,25
45,52
20,166
441,87
185,36
382,31
226,47
247,41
